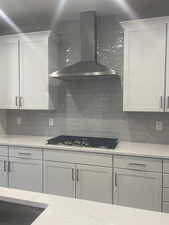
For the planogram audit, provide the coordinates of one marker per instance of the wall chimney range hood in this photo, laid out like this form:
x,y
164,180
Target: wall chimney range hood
x,y
88,67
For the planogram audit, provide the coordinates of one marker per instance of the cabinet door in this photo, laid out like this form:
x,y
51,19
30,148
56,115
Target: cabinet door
x,y
144,68
25,174
9,72
59,178
167,75
34,71
3,172
94,183
137,189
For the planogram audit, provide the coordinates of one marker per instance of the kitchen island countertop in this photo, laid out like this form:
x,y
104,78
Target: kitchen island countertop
x,y
69,211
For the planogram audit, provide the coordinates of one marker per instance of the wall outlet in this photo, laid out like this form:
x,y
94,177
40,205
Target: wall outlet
x,y
51,122
159,125
18,120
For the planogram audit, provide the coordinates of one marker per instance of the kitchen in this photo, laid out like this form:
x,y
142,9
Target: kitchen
x,y
83,110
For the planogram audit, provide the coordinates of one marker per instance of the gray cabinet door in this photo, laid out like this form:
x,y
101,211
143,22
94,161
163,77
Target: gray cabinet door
x,y
3,172
137,189
25,174
59,178
94,183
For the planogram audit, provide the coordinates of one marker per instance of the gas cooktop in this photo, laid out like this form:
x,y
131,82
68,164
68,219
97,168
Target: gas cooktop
x,y
95,142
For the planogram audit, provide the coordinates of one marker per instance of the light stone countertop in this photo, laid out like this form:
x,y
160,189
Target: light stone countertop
x,y
123,148
69,211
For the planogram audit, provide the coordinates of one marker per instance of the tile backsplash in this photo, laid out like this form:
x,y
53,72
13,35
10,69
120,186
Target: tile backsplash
x,y
91,107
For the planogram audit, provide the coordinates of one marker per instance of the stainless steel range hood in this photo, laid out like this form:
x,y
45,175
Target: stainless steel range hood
x,y
88,67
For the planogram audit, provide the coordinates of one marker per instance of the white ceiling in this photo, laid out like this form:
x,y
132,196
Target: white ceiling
x,y
42,12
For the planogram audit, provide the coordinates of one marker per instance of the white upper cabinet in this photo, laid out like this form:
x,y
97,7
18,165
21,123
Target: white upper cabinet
x,y
9,72
25,66
146,65
167,75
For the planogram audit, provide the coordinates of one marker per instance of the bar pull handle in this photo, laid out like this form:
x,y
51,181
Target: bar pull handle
x,y
73,174
77,175
9,166
5,164
161,102
25,153
115,180
16,101
167,102
21,101
137,164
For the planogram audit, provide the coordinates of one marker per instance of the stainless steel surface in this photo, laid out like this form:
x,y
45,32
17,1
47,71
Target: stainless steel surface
x,y
25,153
20,102
73,174
77,175
115,179
167,102
9,167
88,67
5,166
16,101
17,214
161,102
137,164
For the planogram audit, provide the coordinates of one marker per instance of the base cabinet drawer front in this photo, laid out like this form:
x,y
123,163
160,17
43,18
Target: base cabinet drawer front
x,y
137,189
166,207
22,152
59,178
94,183
3,171
166,166
166,180
3,150
78,157
25,174
138,163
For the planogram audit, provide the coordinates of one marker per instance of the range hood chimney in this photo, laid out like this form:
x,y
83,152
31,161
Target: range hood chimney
x,y
88,67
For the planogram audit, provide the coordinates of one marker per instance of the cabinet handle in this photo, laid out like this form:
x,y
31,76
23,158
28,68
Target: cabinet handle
x,y
16,101
115,180
21,102
25,153
161,102
137,164
167,102
73,174
77,175
5,163
9,166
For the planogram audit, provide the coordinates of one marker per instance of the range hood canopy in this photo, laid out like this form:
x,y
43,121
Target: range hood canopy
x,y
88,66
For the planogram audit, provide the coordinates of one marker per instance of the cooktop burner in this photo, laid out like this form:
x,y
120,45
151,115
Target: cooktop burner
x,y
96,142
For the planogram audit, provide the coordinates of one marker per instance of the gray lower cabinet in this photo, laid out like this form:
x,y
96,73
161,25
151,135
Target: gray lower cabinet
x,y
94,183
25,174
137,189
80,181
138,183
3,171
59,178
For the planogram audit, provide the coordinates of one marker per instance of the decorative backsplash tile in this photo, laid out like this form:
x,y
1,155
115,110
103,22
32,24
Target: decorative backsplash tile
x,y
91,107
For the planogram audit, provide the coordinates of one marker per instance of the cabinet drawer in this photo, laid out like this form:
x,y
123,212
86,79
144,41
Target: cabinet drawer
x,y
3,150
166,166
166,194
166,207
78,157
21,152
166,180
138,163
